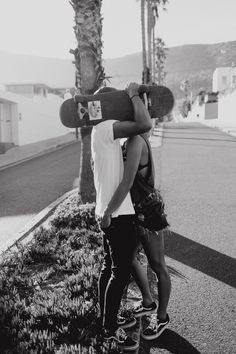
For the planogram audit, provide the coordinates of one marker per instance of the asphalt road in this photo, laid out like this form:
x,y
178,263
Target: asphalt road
x,y
198,174
27,188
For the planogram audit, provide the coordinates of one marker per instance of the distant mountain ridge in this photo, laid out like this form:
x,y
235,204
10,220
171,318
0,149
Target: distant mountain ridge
x,y
193,62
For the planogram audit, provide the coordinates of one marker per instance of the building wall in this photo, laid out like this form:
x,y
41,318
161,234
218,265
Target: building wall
x,y
34,119
223,116
197,112
224,78
6,133
39,120
227,109
211,110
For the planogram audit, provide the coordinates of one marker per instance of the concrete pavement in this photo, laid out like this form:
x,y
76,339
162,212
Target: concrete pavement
x,y
198,186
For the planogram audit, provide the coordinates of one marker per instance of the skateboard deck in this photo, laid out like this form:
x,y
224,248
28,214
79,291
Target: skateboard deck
x,y
85,110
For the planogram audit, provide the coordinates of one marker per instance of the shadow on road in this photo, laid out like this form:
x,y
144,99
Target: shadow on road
x,y
170,341
204,259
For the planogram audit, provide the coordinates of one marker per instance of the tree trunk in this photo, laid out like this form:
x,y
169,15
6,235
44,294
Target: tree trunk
x,y
153,56
144,52
149,37
89,76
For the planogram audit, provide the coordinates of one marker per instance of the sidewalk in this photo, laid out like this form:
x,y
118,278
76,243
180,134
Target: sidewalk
x,y
23,153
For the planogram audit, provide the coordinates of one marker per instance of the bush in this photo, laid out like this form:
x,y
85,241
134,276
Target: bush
x,y
75,215
48,289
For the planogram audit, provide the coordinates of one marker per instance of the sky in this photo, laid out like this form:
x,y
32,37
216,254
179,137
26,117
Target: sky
x,y
45,27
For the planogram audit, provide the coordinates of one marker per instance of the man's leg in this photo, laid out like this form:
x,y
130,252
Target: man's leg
x,y
104,277
121,237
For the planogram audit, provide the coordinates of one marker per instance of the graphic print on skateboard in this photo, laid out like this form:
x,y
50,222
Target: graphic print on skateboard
x,y
85,110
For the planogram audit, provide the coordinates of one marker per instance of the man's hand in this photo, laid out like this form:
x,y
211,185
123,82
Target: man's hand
x,y
106,221
132,89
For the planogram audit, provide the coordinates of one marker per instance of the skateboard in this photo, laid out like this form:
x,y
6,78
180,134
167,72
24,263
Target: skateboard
x,y
85,110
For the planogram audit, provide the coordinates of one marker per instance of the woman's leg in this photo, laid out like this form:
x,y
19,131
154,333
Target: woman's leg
x,y
139,273
153,245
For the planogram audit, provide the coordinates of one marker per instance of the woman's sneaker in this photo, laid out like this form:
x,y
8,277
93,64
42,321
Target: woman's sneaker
x,y
124,322
155,327
125,342
140,310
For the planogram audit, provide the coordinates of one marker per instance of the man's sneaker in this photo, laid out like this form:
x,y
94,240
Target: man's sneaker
x,y
155,327
124,342
124,322
140,310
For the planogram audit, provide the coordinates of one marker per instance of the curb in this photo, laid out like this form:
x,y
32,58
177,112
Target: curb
x,y
38,154
158,136
37,220
228,131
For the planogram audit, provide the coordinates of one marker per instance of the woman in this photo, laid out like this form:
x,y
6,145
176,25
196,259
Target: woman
x,y
138,162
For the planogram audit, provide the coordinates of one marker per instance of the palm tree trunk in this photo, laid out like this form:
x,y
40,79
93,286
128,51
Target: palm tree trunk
x,y
89,76
153,56
144,52
149,36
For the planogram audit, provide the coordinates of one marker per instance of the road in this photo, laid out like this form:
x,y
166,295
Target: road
x,y
27,188
198,174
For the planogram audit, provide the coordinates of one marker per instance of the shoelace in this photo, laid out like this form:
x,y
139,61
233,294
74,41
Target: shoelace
x,y
153,321
121,334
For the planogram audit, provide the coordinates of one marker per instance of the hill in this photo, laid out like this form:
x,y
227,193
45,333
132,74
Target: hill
x,y
195,63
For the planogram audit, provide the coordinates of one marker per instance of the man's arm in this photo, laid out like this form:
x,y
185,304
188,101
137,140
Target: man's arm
x,y
142,122
134,151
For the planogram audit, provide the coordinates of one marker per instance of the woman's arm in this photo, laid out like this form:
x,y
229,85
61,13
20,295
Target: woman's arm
x,y
134,151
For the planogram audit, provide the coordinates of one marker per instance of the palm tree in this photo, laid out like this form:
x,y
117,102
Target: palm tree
x,y
149,35
152,16
89,76
160,56
143,26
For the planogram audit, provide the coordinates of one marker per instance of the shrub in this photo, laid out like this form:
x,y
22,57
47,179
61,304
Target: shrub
x,y
75,215
48,292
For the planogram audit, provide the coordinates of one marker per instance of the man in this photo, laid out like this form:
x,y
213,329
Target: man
x,y
119,228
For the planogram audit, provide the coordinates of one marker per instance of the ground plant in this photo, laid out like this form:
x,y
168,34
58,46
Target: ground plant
x,y
48,287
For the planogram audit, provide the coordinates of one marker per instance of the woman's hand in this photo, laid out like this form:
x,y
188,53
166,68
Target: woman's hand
x,y
106,221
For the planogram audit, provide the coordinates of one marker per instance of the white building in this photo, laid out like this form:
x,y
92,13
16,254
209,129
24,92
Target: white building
x,y
224,78
25,120
28,89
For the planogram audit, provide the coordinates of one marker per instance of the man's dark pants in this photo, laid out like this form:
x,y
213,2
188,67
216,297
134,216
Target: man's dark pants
x,y
119,242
